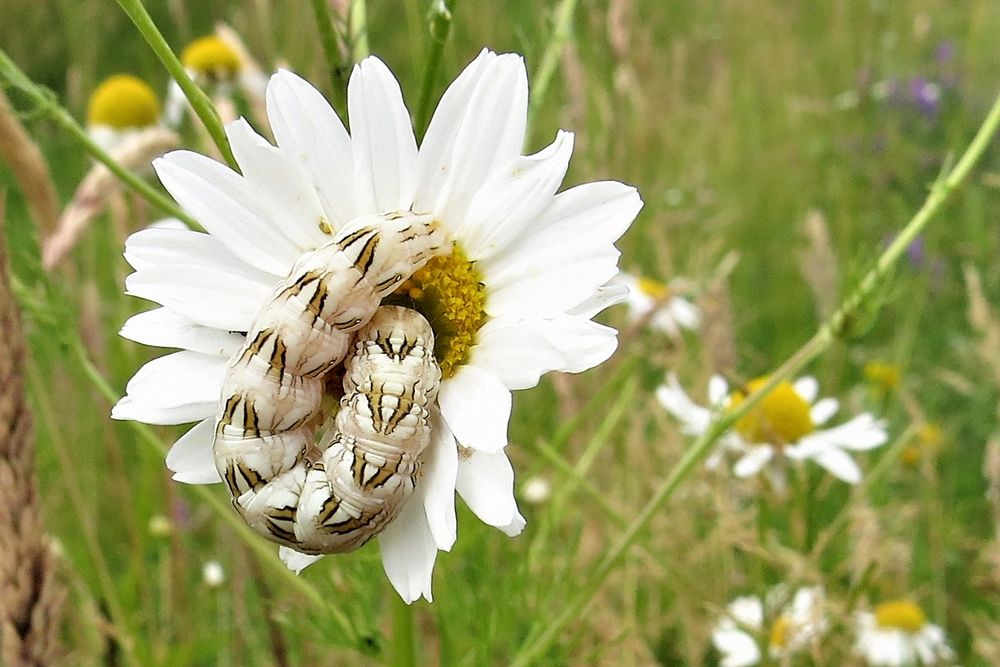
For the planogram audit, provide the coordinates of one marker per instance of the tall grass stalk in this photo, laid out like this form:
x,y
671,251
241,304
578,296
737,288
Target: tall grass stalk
x,y
562,29
330,40
442,15
829,331
196,96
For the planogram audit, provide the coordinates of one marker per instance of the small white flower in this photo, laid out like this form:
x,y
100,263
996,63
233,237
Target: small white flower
x,y
783,627
212,574
783,425
528,270
897,633
536,490
220,64
663,310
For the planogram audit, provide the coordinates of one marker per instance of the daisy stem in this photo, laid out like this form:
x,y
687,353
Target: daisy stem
x,y
264,550
45,101
404,641
562,28
330,39
440,28
829,331
196,96
357,28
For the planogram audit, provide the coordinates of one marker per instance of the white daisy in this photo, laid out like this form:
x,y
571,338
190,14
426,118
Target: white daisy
x,y
783,426
219,64
653,302
120,108
897,633
782,627
512,301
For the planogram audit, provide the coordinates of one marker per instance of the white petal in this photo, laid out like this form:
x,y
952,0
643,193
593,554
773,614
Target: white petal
x,y
296,561
718,390
486,484
753,461
603,297
569,252
738,649
385,152
437,485
478,127
516,353
281,186
173,389
838,462
161,327
675,400
191,459
684,312
307,128
212,298
218,198
408,553
807,387
860,433
514,197
161,247
823,410
476,405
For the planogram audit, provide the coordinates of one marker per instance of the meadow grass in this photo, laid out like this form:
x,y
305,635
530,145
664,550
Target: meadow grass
x,y
738,122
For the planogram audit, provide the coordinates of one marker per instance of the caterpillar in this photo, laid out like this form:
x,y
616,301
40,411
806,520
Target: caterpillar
x,y
334,496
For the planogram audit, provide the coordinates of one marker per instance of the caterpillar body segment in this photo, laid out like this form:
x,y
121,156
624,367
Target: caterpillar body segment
x,y
333,496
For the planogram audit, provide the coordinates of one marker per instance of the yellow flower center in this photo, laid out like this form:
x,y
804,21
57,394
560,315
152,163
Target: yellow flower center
x,y
123,101
882,375
450,293
900,615
778,637
652,288
211,57
781,418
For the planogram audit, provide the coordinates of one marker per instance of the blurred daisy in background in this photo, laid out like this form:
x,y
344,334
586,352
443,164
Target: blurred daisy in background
x,y
654,304
775,625
897,633
513,300
782,426
221,65
120,108
123,118
212,574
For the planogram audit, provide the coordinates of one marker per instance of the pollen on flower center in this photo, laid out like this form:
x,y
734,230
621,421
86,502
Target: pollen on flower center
x,y
449,292
778,637
900,615
211,57
652,288
123,101
782,417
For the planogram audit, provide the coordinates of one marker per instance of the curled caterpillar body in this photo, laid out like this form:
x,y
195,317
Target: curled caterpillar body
x,y
334,496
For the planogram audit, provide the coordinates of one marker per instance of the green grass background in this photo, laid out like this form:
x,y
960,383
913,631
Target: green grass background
x,y
729,118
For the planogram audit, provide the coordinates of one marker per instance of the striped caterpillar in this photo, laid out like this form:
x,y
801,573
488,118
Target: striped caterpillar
x,y
335,496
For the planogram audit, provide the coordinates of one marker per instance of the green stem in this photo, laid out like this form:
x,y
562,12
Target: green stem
x,y
821,340
45,102
440,27
331,49
196,96
358,29
404,641
561,30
